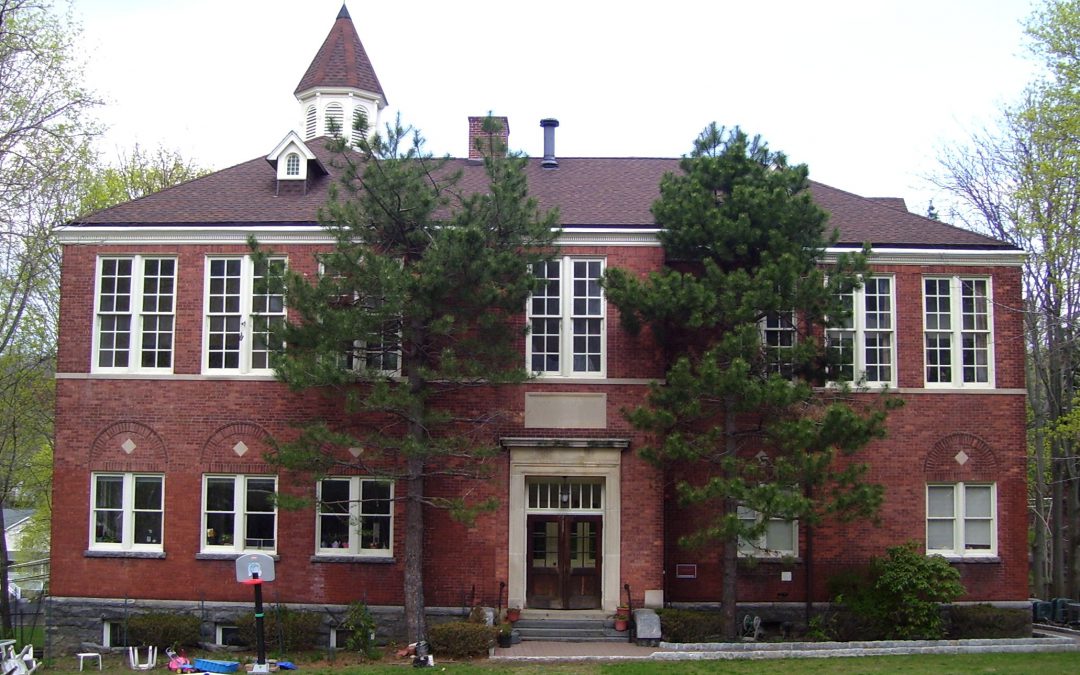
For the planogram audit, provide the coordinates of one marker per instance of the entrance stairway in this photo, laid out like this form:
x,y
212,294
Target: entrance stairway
x,y
568,626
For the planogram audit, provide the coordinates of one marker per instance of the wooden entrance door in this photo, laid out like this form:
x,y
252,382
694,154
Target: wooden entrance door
x,y
564,562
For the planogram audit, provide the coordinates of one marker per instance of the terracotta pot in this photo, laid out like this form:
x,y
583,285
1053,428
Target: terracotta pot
x,y
621,624
513,614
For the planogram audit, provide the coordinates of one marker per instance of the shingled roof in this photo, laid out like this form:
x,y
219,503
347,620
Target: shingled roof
x,y
590,192
341,61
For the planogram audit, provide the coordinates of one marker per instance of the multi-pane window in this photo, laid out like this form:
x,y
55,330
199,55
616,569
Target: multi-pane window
x,y
127,511
380,353
957,324
135,313
780,537
244,303
863,346
239,513
355,516
960,519
778,339
566,318
292,164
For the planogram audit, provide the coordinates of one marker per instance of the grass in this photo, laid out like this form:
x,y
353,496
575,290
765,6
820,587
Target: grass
x,y
940,664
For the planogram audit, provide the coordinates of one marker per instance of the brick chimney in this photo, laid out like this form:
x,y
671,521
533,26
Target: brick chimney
x,y
477,134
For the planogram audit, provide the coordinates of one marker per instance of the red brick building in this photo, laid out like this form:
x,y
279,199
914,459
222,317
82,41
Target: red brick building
x,y
165,404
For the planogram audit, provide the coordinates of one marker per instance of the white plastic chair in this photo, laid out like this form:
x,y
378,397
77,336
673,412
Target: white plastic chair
x,y
137,664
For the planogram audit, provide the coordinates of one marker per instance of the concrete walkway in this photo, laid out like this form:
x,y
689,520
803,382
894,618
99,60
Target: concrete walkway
x,y
624,651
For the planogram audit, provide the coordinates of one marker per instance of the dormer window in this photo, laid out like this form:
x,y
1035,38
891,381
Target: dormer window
x,y
292,165
294,162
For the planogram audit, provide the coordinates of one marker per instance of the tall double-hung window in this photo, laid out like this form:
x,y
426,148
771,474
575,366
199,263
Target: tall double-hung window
x,y
127,513
355,516
135,314
958,331
567,321
961,519
239,513
241,313
864,346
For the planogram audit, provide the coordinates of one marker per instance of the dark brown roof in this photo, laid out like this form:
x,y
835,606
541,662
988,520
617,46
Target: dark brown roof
x,y
594,192
341,61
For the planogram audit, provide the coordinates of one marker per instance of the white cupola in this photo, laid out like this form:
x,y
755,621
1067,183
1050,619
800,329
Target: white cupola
x,y
339,85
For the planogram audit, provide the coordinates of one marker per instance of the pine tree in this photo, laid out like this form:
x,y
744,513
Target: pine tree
x,y
739,419
412,307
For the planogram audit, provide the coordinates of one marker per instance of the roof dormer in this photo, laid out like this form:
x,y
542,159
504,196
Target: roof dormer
x,y
340,85
294,162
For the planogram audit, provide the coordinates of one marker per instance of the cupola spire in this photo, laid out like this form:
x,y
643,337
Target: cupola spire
x,y
340,85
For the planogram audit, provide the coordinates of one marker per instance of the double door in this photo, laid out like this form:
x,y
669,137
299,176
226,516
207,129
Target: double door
x,y
564,562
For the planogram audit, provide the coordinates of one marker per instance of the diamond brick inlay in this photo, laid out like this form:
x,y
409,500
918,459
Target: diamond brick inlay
x,y
240,448
962,458
356,452
128,446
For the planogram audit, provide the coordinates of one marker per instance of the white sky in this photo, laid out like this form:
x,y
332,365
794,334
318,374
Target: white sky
x,y
865,92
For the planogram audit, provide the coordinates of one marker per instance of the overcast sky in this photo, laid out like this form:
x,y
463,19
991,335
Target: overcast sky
x,y
865,92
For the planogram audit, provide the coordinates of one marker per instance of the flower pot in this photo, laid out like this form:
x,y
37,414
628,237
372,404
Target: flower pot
x,y
513,614
621,624
505,639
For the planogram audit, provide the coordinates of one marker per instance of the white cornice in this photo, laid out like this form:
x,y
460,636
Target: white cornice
x,y
934,256
102,235
292,233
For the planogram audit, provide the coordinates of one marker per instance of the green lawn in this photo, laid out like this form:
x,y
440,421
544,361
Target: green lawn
x,y
1042,664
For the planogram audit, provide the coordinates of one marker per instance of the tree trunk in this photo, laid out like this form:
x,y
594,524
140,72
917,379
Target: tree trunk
x,y
415,622
729,586
5,598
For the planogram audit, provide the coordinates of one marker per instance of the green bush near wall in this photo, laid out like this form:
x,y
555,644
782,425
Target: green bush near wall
x,y
163,629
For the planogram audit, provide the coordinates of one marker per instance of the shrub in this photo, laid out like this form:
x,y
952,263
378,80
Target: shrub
x,y
987,621
164,629
685,625
896,597
461,639
288,630
360,621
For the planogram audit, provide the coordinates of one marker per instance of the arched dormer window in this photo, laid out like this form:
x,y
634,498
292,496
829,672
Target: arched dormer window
x,y
335,120
360,122
309,123
292,164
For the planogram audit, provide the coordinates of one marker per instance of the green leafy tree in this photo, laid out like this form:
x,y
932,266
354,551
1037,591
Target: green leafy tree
x,y
135,174
745,245
412,309
44,138
1020,182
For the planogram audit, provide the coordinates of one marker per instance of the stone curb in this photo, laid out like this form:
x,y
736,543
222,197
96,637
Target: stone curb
x,y
820,650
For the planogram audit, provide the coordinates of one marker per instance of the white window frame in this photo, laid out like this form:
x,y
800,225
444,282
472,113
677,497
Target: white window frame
x,y
956,332
127,510
561,312
292,165
138,316
358,358
247,304
356,511
240,511
865,326
779,336
960,519
760,546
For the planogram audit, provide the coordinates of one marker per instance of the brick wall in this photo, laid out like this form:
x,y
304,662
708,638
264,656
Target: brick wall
x,y
178,423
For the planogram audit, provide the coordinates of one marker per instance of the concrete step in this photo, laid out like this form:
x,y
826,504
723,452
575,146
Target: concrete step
x,y
569,630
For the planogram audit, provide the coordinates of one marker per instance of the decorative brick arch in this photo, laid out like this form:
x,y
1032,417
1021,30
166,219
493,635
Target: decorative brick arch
x,y
961,457
128,446
236,448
